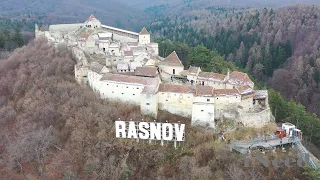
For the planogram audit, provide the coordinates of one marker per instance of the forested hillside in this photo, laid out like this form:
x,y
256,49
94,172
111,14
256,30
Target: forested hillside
x,y
277,46
53,128
13,34
111,12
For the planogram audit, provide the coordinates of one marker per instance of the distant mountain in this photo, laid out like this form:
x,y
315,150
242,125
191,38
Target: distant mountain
x,y
142,4
111,12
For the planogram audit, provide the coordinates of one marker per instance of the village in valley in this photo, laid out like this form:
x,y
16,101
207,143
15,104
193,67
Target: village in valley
x,y
126,66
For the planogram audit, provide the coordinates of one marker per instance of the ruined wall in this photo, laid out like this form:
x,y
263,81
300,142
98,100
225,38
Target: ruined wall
x,y
258,119
81,74
247,102
224,102
94,80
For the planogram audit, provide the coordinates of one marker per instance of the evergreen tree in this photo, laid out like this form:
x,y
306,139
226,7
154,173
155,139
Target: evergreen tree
x,y
17,37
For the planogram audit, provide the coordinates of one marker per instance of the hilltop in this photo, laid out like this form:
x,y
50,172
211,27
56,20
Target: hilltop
x,y
53,127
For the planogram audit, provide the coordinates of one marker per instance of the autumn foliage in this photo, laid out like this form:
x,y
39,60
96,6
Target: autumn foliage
x,y
53,128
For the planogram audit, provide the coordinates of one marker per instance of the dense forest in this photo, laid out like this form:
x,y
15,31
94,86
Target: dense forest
x,y
16,33
279,47
53,128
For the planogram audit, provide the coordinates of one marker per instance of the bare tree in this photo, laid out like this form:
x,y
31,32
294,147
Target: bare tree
x,y
254,174
234,172
30,144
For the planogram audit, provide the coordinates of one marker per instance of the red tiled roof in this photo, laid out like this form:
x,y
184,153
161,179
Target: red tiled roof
x,y
204,91
237,77
194,70
91,17
144,31
172,60
84,36
146,71
211,76
225,92
175,88
128,53
244,89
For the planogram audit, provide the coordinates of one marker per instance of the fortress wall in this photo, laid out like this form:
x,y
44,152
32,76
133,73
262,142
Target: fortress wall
x,y
255,119
184,111
65,27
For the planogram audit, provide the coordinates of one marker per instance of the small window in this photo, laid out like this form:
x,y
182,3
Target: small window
x,y
148,104
217,98
121,93
162,93
201,110
167,100
107,84
174,94
127,87
208,100
137,88
134,94
117,85
112,91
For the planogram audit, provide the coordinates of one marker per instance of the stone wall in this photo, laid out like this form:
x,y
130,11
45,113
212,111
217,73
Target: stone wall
x,y
252,119
149,104
65,27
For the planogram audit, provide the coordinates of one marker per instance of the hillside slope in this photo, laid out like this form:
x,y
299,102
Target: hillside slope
x,y
52,127
279,46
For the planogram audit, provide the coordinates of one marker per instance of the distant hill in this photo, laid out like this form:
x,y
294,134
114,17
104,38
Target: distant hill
x,y
128,14
142,4
109,12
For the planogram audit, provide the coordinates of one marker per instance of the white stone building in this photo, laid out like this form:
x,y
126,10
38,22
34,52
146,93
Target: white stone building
x,y
126,66
93,23
144,36
171,65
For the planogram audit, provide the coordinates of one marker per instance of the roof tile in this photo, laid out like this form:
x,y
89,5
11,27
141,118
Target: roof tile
x,y
144,31
211,76
172,60
175,88
225,92
146,71
237,77
128,53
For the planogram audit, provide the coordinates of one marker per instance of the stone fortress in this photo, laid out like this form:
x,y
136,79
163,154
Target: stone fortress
x,y
126,66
